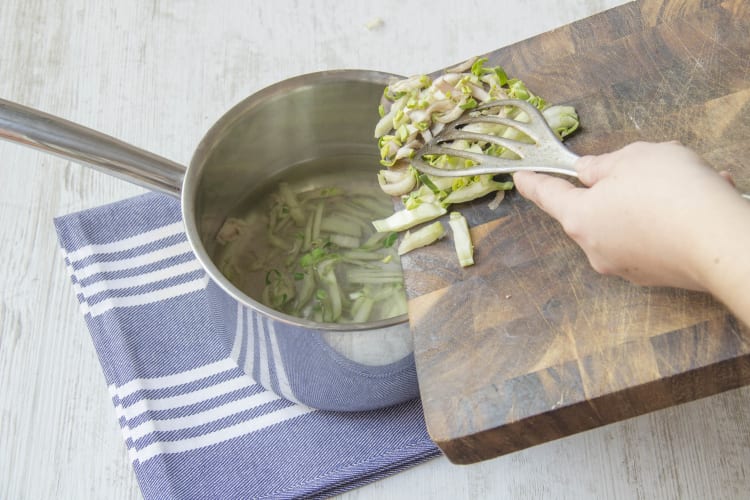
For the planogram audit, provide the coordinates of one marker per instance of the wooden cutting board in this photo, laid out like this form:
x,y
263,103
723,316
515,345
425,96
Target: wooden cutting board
x,y
530,344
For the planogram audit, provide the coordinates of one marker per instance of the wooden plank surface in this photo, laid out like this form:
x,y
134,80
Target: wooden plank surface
x,y
530,344
158,74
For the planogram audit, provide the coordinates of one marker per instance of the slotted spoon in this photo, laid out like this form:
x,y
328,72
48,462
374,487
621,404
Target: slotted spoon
x,y
546,153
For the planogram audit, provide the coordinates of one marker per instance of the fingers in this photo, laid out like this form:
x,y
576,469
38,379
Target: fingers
x,y
592,169
549,193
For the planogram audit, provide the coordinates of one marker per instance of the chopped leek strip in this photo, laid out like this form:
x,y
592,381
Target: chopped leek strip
x,y
405,219
291,202
563,120
361,309
421,237
362,255
374,276
476,189
339,224
461,239
345,241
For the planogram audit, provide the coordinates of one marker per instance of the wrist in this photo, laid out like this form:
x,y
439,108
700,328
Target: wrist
x,y
721,257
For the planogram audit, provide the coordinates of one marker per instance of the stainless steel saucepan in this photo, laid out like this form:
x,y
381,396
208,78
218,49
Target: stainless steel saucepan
x,y
319,116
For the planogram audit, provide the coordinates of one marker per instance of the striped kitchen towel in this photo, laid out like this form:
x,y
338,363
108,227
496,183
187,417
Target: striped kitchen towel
x,y
195,425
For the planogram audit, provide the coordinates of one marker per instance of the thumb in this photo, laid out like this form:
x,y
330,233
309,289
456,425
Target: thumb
x,y
549,193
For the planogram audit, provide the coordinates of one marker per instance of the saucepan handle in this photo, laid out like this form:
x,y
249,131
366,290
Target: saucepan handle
x,y
83,145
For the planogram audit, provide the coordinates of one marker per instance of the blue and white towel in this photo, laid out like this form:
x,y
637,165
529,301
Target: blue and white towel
x,y
195,425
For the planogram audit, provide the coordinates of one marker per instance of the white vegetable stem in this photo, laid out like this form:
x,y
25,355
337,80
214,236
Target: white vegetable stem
x,y
462,239
421,237
406,219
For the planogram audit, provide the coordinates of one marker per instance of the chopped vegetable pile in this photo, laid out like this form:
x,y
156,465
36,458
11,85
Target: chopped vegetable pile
x,y
415,110
318,254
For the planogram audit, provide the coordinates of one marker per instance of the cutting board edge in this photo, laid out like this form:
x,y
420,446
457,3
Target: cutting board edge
x,y
587,415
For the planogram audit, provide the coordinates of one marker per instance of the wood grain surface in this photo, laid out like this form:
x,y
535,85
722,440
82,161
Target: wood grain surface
x,y
158,74
530,344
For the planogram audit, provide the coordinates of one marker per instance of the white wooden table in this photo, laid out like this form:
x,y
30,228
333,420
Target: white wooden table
x,y
158,74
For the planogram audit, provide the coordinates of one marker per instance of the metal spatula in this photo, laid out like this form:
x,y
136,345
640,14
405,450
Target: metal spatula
x,y
545,153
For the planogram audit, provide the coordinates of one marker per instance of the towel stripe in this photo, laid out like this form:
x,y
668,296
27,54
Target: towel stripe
x,y
264,374
141,279
126,414
148,298
190,398
215,437
204,417
95,272
167,381
152,257
237,344
127,243
284,387
197,419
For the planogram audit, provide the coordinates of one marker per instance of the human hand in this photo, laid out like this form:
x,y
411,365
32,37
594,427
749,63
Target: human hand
x,y
655,214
